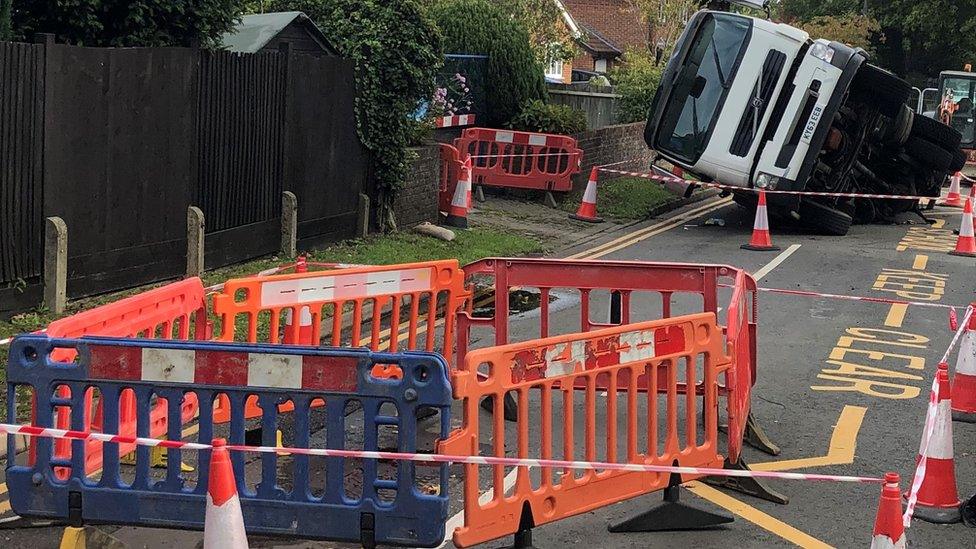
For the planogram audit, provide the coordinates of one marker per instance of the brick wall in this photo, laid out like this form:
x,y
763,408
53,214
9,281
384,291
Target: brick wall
x,y
624,142
417,200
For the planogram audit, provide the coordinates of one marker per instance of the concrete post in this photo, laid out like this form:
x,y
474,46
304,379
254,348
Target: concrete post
x,y
194,241
55,264
362,227
289,224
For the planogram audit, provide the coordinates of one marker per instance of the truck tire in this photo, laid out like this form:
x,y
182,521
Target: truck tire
x,y
825,219
936,132
929,154
883,88
958,161
901,127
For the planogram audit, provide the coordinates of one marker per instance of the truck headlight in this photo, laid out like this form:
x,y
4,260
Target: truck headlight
x,y
822,51
766,181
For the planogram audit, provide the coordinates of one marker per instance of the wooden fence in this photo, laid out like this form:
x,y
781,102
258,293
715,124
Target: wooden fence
x,y
118,142
598,102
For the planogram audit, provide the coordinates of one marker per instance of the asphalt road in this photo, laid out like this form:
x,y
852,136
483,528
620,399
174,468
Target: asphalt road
x,y
824,421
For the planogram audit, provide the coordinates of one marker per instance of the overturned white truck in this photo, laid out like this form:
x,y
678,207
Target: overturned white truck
x,y
752,103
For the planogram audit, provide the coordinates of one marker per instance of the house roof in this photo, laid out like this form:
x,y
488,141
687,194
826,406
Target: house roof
x,y
255,31
594,42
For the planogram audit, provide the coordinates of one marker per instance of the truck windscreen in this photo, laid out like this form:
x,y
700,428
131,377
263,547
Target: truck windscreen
x,y
702,82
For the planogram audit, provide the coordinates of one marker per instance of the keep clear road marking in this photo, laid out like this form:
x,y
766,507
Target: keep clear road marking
x,y
843,442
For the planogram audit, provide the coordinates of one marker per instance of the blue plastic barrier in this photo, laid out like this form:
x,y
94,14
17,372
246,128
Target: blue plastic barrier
x,y
153,369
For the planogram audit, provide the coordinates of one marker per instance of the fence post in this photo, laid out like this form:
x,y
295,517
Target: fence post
x,y
289,224
362,227
55,264
194,241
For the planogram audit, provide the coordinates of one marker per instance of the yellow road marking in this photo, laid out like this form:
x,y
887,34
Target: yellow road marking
x,y
921,260
647,232
896,315
843,442
939,223
755,516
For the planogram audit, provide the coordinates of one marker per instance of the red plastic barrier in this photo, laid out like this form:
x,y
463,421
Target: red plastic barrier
x,y
162,313
521,160
672,281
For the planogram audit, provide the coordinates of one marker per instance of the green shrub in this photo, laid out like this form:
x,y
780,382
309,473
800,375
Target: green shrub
x,y
537,116
635,80
397,50
513,76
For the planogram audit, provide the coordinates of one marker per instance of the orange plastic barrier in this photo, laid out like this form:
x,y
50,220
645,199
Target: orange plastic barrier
x,y
659,355
163,313
374,306
450,169
522,160
677,285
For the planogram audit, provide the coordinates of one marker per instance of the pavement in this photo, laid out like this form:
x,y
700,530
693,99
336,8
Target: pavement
x,y
833,404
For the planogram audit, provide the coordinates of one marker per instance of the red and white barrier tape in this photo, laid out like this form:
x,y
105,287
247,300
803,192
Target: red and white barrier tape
x,y
930,417
854,298
33,431
662,178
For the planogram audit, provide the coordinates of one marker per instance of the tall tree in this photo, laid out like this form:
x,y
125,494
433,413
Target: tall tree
x,y
127,22
6,26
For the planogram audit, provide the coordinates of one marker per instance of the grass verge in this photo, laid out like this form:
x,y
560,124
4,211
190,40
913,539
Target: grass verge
x,y
406,247
624,198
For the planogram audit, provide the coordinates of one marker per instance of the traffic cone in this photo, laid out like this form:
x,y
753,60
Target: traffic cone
x,y
457,213
964,380
966,244
224,524
938,500
304,317
761,240
954,199
889,531
587,209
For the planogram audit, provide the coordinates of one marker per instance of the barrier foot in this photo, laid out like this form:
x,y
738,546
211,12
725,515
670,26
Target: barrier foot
x,y
510,407
551,200
746,485
523,537
756,437
479,193
968,511
672,515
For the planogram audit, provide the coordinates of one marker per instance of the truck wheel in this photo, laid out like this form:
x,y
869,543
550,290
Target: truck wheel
x,y
958,161
936,132
824,218
883,88
901,126
929,154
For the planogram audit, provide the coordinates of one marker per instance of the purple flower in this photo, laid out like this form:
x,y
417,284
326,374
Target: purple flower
x,y
460,78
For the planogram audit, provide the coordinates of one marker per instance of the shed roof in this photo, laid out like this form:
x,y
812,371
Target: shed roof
x,y
255,31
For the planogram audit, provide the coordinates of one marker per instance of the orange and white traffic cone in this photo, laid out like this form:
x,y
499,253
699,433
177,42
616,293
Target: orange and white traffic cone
x,y
761,240
938,500
966,244
889,531
587,209
304,336
457,212
953,199
964,380
224,525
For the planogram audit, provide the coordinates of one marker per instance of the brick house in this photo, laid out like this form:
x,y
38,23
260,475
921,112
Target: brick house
x,y
604,30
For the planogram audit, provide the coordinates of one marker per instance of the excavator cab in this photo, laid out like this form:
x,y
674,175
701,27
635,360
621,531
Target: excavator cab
x,y
957,92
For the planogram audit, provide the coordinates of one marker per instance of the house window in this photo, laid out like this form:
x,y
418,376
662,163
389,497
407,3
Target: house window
x,y
555,68
600,65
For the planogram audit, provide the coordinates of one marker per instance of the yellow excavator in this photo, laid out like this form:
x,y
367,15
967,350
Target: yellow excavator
x,y
953,103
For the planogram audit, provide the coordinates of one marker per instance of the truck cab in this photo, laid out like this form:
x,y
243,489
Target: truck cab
x,y
756,104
